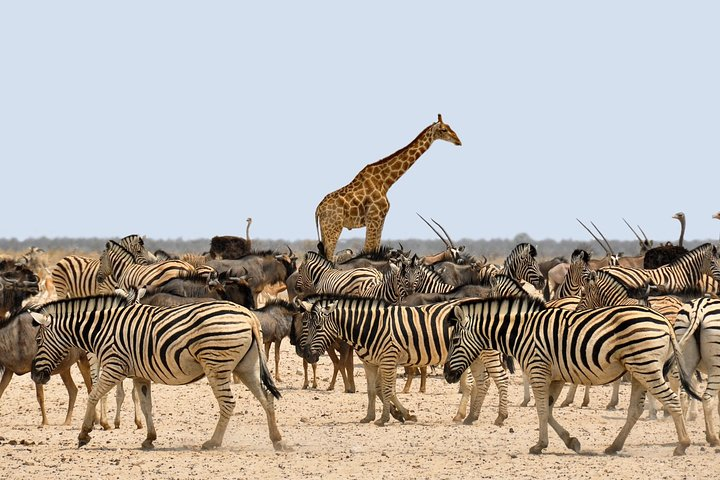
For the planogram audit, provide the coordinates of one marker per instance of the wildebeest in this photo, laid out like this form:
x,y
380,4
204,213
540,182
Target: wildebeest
x,y
17,349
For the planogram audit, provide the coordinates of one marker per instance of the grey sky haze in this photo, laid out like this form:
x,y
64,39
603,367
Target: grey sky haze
x,y
177,119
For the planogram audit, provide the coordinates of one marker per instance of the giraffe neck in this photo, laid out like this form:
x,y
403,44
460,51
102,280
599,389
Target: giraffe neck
x,y
384,173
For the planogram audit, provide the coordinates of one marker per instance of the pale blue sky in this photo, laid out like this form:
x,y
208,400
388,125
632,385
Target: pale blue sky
x,y
180,119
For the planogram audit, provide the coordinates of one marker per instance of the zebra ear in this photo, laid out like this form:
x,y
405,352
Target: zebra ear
x,y
40,319
460,317
330,307
307,306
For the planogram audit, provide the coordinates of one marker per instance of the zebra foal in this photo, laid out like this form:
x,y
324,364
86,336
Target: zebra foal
x,y
555,346
168,345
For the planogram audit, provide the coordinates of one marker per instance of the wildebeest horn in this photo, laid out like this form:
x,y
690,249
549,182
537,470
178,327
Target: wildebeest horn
x,y
593,235
603,237
433,229
290,254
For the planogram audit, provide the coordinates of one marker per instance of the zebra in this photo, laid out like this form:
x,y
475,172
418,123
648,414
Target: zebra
x,y
117,262
698,329
555,346
385,336
317,274
601,289
76,276
522,264
167,345
681,275
573,283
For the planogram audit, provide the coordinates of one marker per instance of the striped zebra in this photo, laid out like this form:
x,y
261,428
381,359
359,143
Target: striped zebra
x,y
116,262
76,276
698,328
384,337
167,345
573,283
681,275
317,274
556,346
602,289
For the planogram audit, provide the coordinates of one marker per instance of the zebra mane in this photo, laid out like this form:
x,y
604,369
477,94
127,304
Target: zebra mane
x,y
702,249
532,302
81,304
326,298
314,255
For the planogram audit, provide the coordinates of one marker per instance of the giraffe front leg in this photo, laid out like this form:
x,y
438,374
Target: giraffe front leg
x,y
375,219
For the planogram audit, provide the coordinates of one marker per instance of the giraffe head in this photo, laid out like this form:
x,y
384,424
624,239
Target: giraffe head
x,y
442,131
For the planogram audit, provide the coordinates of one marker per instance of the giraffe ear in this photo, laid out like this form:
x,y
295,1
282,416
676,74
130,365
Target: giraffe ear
x,y
439,118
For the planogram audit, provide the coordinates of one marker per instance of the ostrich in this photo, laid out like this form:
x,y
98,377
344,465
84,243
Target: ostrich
x,y
664,254
229,247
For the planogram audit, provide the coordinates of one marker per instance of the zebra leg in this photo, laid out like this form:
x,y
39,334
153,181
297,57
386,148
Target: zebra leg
x,y
637,401
570,397
371,373
143,387
614,398
101,411
72,390
586,397
467,391
388,379
423,379
526,390
249,372
540,388
409,375
136,402
40,395
109,377
494,367
711,433
570,442
119,399
479,390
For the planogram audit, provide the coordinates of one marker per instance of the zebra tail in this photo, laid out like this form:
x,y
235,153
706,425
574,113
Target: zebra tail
x,y
265,376
684,376
510,363
692,328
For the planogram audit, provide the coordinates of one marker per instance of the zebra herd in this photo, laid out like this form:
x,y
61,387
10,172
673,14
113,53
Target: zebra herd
x,y
611,321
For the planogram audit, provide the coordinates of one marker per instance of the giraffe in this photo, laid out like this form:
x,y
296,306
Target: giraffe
x,y
363,202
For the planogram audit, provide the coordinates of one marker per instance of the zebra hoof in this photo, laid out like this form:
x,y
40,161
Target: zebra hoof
x,y
536,449
83,441
679,451
524,403
469,420
574,444
500,420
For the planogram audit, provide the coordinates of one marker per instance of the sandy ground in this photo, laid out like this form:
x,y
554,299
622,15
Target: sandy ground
x,y
327,441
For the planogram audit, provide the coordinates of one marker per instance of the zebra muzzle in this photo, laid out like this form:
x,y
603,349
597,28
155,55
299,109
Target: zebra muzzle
x,y
451,376
40,376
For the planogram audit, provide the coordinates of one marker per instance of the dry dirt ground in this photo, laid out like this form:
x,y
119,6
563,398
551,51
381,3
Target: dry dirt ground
x,y
327,441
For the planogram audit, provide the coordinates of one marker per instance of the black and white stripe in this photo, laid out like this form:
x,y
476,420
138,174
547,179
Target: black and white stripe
x,y
555,346
168,345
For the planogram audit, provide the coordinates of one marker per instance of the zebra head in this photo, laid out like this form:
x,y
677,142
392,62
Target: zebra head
x,y
135,244
51,350
522,264
309,271
463,349
319,332
714,268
